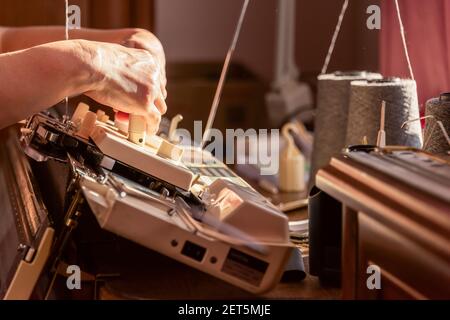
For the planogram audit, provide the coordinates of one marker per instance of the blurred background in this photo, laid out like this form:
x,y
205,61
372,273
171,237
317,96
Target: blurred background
x,y
197,33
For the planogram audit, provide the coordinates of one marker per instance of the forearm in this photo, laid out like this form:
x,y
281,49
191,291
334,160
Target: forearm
x,y
21,38
34,79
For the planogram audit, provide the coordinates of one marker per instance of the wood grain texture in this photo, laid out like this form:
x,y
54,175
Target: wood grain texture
x,y
159,277
402,230
154,276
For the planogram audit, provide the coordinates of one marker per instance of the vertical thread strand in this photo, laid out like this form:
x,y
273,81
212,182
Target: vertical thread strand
x,y
335,35
67,38
402,34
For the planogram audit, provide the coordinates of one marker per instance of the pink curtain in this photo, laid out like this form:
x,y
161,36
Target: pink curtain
x,y
427,27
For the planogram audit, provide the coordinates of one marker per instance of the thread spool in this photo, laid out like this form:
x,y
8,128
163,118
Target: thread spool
x,y
402,105
292,163
87,125
137,129
331,115
439,109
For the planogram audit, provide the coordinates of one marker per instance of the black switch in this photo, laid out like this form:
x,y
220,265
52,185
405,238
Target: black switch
x,y
193,251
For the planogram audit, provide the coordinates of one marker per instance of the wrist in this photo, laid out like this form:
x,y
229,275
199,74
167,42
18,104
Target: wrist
x,y
89,63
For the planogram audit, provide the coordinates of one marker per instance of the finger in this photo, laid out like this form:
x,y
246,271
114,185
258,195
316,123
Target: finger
x,y
161,105
153,121
129,44
164,91
152,129
163,78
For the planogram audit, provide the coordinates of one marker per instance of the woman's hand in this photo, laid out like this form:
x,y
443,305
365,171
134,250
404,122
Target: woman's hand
x,y
124,69
143,39
128,80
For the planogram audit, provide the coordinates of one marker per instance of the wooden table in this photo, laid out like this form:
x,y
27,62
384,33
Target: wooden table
x,y
159,277
149,275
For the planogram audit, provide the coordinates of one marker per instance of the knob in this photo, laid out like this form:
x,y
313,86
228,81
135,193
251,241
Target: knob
x,y
100,114
26,131
104,118
88,125
154,141
80,113
170,151
137,129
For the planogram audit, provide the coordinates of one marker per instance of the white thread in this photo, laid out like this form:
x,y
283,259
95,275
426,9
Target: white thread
x,y
67,38
335,35
223,75
67,20
402,34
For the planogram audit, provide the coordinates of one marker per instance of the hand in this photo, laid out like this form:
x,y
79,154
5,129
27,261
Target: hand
x,y
143,39
127,79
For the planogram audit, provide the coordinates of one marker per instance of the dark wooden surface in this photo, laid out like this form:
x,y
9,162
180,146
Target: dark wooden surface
x,y
159,277
349,249
155,276
387,223
134,272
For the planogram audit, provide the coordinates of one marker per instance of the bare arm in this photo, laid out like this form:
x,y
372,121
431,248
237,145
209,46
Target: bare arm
x,y
41,76
36,78
14,39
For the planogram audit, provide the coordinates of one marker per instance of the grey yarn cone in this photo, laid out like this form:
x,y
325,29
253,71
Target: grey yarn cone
x,y
401,105
331,115
434,139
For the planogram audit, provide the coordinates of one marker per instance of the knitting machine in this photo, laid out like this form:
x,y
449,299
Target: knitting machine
x,y
177,200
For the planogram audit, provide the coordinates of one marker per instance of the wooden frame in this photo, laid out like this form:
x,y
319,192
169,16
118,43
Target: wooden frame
x,y
400,229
